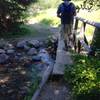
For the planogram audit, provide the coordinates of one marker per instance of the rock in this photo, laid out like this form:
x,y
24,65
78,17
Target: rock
x,y
19,54
36,58
24,90
26,48
8,46
43,54
2,51
41,43
2,43
34,43
21,44
43,51
27,64
3,58
17,59
32,51
53,39
10,91
11,51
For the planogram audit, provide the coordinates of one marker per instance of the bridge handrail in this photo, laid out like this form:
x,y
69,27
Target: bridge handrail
x,y
83,42
92,23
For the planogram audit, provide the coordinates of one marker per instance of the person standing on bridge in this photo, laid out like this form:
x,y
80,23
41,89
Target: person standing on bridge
x,y
66,12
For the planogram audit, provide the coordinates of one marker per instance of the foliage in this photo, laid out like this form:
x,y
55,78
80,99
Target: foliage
x,y
22,30
47,17
89,4
45,4
12,13
33,87
83,76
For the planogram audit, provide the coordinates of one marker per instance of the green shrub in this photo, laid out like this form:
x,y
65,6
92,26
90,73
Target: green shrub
x,y
83,76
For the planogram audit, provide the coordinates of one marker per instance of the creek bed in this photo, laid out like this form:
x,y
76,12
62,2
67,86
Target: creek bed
x,y
22,65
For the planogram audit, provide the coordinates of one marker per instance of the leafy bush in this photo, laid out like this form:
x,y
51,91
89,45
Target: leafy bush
x,y
83,76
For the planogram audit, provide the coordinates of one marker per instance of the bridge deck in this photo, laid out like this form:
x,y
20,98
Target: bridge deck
x,y
62,58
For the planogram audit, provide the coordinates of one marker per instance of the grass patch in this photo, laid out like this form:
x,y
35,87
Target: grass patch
x,y
47,17
32,90
24,30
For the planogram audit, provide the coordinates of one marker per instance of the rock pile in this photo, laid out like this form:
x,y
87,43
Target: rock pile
x,y
21,64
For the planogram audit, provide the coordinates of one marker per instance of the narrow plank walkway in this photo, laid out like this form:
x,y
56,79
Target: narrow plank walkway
x,y
63,58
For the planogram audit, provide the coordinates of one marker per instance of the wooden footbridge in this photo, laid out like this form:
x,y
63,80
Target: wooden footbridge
x,y
63,57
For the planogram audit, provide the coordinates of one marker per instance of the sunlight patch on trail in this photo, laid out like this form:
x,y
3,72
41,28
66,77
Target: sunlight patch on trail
x,y
32,21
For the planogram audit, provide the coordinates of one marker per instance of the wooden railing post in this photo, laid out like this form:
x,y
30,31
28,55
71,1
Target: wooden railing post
x,y
76,24
96,39
79,46
82,40
74,34
85,39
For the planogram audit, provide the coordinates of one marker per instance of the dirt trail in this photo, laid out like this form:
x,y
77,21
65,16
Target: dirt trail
x,y
55,90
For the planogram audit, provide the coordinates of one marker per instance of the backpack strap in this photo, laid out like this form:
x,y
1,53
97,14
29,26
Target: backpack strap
x,y
70,7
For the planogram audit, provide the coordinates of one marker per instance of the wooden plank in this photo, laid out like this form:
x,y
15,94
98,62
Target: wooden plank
x,y
63,58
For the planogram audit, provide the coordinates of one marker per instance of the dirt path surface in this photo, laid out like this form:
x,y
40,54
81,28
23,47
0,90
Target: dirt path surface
x,y
42,31
55,90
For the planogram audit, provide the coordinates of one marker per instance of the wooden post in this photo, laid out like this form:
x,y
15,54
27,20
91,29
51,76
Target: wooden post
x,y
85,39
76,24
84,25
96,39
79,46
74,34
74,41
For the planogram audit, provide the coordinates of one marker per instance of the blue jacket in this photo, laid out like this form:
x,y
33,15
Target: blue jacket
x,y
66,18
